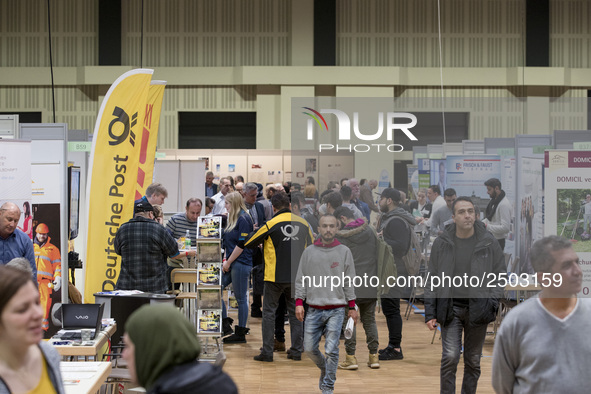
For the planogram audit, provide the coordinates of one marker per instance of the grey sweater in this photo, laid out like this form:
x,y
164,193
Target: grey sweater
x,y
322,267
536,352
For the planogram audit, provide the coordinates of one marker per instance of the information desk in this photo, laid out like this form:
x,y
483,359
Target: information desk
x,y
75,350
84,377
121,306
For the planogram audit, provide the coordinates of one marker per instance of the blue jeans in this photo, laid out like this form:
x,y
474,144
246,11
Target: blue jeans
x,y
451,339
329,322
238,277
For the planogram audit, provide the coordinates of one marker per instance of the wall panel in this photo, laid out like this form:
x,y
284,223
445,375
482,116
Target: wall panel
x,y
409,29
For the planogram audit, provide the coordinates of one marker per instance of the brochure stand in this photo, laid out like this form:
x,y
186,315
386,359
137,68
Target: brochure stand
x,y
209,286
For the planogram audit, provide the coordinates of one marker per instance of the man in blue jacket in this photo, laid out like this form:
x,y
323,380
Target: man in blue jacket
x,y
464,250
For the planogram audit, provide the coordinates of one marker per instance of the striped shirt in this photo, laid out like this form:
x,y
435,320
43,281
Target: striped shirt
x,y
178,225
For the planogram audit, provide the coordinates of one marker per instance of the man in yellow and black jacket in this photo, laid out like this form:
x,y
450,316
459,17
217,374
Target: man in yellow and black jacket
x,y
284,239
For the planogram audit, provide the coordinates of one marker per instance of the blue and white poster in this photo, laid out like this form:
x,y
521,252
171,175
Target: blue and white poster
x,y
467,174
438,174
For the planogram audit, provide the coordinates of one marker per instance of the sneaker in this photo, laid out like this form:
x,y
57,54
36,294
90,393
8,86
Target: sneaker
x,y
279,346
373,361
391,354
350,363
293,356
262,357
384,349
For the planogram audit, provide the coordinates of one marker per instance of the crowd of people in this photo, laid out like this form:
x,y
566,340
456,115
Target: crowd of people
x,y
283,240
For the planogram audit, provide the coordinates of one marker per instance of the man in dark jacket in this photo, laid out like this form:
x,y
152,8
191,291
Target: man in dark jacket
x,y
284,239
464,250
395,225
362,241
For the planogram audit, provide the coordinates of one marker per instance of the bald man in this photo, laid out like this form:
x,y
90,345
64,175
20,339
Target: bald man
x,y
14,242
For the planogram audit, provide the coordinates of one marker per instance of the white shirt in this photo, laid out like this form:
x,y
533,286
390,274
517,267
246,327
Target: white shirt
x,y
439,203
220,204
500,225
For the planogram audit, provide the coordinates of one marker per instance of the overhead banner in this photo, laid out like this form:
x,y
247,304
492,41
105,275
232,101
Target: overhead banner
x,y
149,135
113,172
567,175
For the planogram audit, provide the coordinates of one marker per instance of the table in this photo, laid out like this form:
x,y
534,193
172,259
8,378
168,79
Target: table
x,y
519,288
87,351
121,306
84,377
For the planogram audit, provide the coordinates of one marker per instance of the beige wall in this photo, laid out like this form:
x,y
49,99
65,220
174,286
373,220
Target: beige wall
x,y
254,55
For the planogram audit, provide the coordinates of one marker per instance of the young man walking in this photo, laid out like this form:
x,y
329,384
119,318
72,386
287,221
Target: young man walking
x,y
464,250
323,265
362,241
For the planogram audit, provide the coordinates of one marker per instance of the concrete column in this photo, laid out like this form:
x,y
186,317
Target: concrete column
x,y
284,132
302,33
537,115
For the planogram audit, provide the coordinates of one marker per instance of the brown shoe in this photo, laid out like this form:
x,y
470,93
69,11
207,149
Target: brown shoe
x,y
279,346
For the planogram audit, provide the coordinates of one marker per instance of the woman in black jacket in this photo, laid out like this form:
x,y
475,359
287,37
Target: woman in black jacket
x,y
161,349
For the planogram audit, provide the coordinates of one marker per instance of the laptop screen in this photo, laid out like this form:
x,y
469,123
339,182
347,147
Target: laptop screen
x,y
78,316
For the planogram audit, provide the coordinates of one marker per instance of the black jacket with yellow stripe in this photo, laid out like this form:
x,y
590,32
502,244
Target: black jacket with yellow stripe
x,y
284,239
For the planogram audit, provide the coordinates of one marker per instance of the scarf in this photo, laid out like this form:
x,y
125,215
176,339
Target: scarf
x,y
163,338
491,208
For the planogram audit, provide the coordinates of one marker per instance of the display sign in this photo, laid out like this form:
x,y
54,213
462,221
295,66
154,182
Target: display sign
x,y
113,176
467,174
424,174
79,146
567,175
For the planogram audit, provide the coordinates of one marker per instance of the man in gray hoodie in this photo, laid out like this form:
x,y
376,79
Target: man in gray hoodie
x,y
325,281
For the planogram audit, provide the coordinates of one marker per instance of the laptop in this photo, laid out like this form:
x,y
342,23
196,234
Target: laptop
x,y
78,316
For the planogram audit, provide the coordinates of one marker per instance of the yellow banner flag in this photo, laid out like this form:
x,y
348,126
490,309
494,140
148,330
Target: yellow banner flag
x,y
149,140
113,173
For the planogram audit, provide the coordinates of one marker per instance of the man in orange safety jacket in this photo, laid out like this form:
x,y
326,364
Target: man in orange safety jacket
x,y
49,269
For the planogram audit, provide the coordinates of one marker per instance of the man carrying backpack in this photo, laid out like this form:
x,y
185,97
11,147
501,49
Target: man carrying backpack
x,y
362,241
395,225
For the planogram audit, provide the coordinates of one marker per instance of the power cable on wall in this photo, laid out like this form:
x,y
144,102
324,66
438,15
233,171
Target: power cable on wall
x,y
51,59
142,37
441,69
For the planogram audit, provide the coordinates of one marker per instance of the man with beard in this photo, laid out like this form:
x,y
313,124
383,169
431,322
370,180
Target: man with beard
x,y
558,317
498,211
323,261
362,241
395,225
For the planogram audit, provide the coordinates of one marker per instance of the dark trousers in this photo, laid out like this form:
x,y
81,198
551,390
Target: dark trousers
x,y
280,319
451,342
391,309
271,297
502,243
